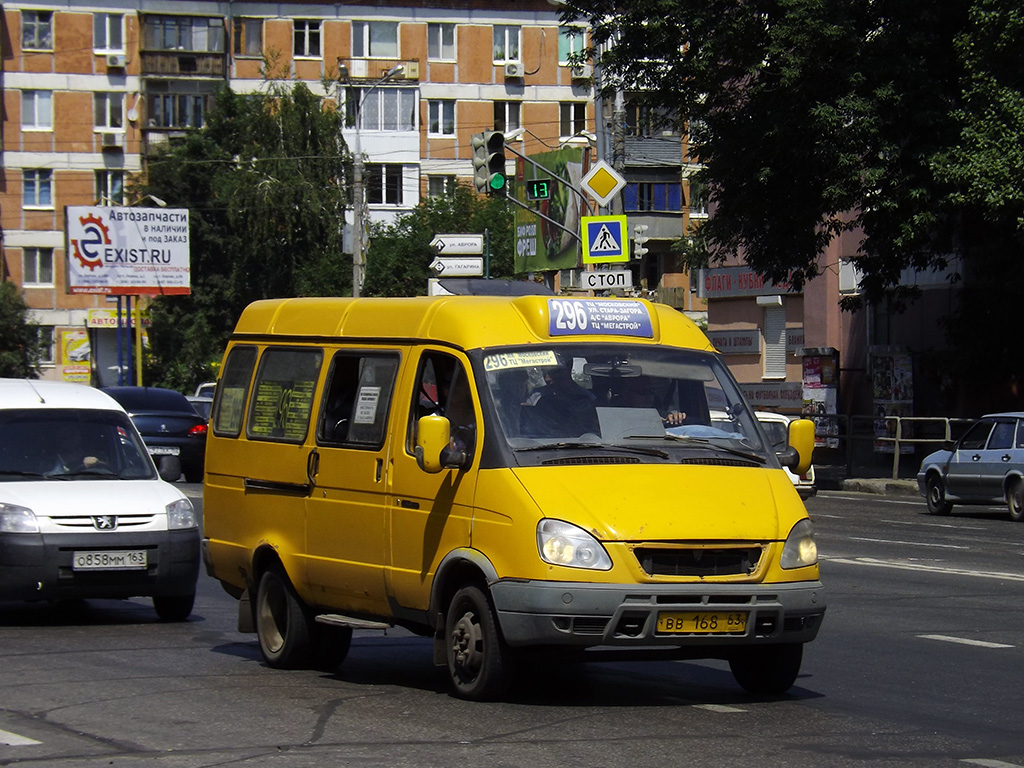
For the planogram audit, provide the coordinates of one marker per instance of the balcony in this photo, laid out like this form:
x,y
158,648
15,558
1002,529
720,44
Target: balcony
x,y
199,64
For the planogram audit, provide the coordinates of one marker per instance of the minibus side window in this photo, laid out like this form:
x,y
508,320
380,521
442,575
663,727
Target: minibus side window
x,y
442,388
282,397
357,399
233,389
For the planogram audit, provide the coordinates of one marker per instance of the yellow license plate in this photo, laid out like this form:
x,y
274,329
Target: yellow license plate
x,y
702,622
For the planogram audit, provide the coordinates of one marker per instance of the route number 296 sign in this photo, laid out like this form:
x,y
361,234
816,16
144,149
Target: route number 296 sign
x,y
602,317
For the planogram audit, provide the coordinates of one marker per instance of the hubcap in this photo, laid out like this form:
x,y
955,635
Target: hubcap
x,y
466,640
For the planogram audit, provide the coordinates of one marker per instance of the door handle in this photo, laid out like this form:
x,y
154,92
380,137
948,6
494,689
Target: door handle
x,y
1006,457
976,457
312,467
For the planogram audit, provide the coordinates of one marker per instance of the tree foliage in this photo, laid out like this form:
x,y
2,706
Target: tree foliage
x,y
901,119
19,337
264,185
399,255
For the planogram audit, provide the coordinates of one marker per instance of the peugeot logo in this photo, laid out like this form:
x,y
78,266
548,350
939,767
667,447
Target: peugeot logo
x,y
104,522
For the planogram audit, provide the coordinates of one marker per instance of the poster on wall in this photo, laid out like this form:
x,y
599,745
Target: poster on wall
x,y
75,356
820,397
892,378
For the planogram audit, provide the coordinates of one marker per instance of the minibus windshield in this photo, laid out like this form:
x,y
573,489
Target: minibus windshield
x,y
628,397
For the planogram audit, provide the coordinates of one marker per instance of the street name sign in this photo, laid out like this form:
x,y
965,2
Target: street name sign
x,y
446,245
457,266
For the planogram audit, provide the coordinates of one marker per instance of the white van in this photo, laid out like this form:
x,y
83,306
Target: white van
x,y
83,512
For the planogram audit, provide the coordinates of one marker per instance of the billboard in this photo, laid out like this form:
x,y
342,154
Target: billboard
x,y
127,251
540,245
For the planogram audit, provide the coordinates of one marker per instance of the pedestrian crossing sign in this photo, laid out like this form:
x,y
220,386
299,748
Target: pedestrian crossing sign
x,y
604,239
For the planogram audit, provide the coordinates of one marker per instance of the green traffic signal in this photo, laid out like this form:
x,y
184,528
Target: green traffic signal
x,y
497,182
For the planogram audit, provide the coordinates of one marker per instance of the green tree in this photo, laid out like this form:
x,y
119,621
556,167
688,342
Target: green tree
x,y
399,256
264,185
19,337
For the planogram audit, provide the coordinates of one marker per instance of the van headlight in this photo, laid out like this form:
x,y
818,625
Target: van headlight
x,y
15,519
800,550
180,514
562,543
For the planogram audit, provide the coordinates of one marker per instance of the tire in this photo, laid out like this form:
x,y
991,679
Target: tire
x,y
1015,500
331,646
282,625
478,660
767,670
935,495
193,474
174,607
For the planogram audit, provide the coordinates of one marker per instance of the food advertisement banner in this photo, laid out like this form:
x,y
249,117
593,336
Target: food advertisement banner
x,y
540,244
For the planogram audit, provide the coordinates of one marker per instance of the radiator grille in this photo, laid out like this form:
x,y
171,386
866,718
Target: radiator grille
x,y
698,561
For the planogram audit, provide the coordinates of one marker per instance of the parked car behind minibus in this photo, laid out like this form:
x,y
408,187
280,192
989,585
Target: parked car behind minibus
x,y
512,476
83,513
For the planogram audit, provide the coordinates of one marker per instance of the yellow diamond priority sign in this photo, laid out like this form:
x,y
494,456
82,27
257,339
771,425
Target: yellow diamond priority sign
x,y
602,182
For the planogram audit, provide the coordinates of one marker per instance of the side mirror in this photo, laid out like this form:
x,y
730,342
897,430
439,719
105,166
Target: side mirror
x,y
797,456
949,445
433,433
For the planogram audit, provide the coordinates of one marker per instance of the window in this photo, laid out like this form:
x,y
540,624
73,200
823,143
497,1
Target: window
x,y
177,110
307,38
248,37
383,109
976,437
441,114
375,39
506,43
234,387
774,342
384,184
37,266
108,31
570,41
356,400
110,187
441,42
653,196
644,122
282,397
443,389
184,33
441,186
698,198
37,110
36,188
573,118
37,30
108,110
1002,436
46,334
506,116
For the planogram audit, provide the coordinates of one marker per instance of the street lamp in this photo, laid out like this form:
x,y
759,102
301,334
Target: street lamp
x,y
358,193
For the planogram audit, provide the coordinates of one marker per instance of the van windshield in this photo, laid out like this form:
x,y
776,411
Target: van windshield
x,y
70,444
624,396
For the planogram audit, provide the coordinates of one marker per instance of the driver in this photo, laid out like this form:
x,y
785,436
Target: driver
x,y
74,455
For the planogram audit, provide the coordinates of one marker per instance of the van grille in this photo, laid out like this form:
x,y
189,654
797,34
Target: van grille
x,y
739,561
721,462
577,460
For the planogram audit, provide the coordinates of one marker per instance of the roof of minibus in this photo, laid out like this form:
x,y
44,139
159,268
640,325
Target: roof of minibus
x,y
469,322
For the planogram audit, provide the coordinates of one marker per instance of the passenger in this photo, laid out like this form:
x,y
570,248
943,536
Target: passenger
x,y
641,392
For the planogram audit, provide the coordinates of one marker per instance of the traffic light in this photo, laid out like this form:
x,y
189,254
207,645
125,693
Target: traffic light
x,y
489,162
639,238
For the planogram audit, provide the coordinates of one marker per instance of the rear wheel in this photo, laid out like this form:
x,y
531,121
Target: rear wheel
x,y
282,624
330,646
935,494
478,660
174,607
1015,500
767,670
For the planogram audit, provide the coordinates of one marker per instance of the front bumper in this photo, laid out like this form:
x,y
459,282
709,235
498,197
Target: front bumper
x,y
38,566
586,615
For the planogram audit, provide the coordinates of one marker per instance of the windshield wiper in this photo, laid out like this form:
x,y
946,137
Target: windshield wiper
x,y
601,446
19,473
704,442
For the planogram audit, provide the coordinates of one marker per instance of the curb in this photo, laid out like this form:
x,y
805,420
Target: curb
x,y
881,486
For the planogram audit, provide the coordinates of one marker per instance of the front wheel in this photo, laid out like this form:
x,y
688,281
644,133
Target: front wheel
x,y
282,625
478,661
174,607
1015,500
935,494
767,670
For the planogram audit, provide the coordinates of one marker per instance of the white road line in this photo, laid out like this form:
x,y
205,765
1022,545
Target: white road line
x,y
991,763
965,641
918,524
908,543
14,740
905,566
718,708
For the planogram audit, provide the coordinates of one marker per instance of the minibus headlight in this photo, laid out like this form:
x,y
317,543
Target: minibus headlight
x,y
800,550
562,543
180,514
15,519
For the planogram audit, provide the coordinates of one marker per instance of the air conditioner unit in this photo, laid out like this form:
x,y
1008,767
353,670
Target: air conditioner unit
x,y
112,140
514,69
581,72
118,60
410,70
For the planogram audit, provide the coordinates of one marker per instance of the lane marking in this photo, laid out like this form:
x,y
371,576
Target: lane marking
x,y
14,740
903,566
918,524
718,708
907,543
990,763
965,641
